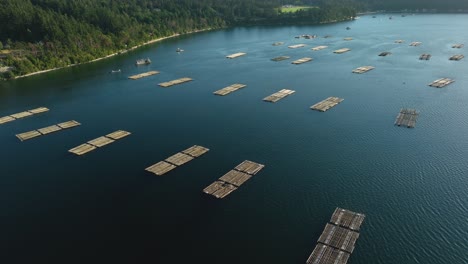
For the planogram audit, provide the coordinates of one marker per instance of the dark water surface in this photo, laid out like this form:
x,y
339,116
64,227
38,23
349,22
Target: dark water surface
x,y
411,183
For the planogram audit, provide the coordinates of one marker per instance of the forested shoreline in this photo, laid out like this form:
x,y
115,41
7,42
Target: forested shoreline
x,y
37,35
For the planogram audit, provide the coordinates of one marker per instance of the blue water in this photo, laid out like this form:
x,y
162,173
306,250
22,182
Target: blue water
x,y
411,183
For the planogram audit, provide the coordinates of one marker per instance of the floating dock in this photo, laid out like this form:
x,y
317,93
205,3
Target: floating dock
x,y
441,82
458,46
340,51
235,55
47,130
348,39
338,239
363,69
399,41
175,82
416,43
99,142
302,60
277,43
407,117
425,56
385,53
296,46
232,180
457,57
278,95
229,89
280,58
326,104
24,114
319,48
176,160
143,75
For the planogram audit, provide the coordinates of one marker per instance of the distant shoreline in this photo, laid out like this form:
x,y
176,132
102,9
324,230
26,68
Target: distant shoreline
x,y
113,54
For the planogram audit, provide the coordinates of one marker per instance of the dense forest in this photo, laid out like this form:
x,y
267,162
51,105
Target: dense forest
x,y
43,34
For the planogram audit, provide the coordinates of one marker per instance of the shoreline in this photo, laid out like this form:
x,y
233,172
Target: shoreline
x,y
113,54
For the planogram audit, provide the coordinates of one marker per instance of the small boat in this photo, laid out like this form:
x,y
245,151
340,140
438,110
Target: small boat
x,y
115,71
179,50
143,61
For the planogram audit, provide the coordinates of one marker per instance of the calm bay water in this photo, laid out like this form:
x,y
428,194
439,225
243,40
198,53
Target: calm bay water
x,y
411,183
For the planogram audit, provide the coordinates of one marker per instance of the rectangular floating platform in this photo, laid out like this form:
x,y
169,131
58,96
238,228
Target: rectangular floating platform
x,y
232,180
278,95
338,239
348,39
303,60
441,82
44,131
323,254
280,58
385,53
363,69
277,43
319,48
399,41
229,89
24,114
425,56
175,82
143,75
235,55
407,117
99,142
296,46
457,57
176,160
326,104
416,43
340,51
458,46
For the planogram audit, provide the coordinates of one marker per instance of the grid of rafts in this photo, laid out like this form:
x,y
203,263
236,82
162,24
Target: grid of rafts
x,y
326,104
296,46
425,56
363,69
24,114
278,95
439,83
416,43
338,239
47,130
407,117
457,57
302,60
232,180
99,142
319,48
229,89
143,75
235,55
176,160
340,51
458,46
175,82
280,58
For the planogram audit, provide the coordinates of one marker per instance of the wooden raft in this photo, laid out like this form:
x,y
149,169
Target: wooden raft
x,y
24,114
407,117
278,95
232,180
319,48
425,56
337,241
326,104
363,69
441,82
47,130
280,58
99,142
385,53
340,51
176,160
229,89
296,46
415,43
348,39
175,82
277,43
399,41
143,75
302,60
458,46
457,57
235,55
